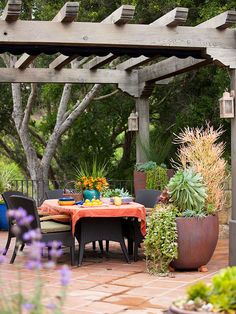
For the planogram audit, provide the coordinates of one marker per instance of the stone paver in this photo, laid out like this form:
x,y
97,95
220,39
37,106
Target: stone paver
x,y
109,285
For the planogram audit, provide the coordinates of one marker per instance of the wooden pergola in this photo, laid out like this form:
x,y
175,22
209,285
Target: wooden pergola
x,y
94,45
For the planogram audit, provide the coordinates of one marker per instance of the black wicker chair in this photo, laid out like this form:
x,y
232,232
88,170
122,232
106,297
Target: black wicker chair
x,y
7,200
92,229
50,230
54,194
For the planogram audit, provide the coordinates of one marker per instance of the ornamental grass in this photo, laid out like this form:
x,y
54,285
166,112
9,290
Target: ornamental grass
x,y
200,150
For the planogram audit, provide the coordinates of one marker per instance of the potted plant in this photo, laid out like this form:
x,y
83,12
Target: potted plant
x,y
109,194
140,174
217,297
91,180
149,175
6,176
189,205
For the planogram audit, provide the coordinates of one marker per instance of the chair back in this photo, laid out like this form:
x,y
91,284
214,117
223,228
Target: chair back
x,y
54,194
29,205
148,198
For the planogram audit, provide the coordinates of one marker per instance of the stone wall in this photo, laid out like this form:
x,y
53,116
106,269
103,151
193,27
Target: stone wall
x,y
225,213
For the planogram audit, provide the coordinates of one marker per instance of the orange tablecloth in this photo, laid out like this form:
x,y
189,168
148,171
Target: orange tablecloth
x,y
127,210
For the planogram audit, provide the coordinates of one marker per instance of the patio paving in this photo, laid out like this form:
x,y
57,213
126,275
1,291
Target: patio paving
x,y
107,284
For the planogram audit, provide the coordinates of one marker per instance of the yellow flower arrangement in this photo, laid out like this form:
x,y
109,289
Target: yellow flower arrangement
x,y
91,183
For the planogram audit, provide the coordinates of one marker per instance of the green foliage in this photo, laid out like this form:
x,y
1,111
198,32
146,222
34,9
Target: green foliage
x,y
188,213
146,166
220,295
8,173
116,192
157,178
223,295
161,239
187,190
199,290
94,170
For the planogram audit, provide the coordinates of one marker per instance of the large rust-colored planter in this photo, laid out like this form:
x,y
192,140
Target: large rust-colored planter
x,y
139,181
197,239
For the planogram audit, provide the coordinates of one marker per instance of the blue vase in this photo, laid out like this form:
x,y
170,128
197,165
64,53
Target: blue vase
x,y
3,217
91,194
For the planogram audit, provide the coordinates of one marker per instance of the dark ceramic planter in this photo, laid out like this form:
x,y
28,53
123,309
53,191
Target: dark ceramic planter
x,y
197,239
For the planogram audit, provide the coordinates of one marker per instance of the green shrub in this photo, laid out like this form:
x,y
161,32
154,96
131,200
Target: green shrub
x,y
157,178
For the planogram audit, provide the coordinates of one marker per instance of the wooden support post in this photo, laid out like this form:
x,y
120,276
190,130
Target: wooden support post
x,y
142,139
232,223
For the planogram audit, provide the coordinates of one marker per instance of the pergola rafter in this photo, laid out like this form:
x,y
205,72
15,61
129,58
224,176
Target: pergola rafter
x,y
96,44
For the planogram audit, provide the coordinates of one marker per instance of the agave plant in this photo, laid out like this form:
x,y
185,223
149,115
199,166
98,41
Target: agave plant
x,y
187,190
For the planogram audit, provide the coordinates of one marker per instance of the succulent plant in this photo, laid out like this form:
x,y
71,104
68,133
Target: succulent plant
x,y
187,190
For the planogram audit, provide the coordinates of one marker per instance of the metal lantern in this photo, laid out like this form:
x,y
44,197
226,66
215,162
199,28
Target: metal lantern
x,y
133,121
227,105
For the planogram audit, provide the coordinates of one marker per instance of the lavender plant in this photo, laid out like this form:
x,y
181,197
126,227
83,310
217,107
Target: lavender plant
x,y
35,303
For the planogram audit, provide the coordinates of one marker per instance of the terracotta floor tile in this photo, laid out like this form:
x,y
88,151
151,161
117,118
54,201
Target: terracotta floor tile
x,y
109,288
110,285
144,311
126,300
147,291
104,308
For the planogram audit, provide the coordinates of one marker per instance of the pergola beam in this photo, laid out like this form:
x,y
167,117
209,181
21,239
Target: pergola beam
x,y
12,11
221,21
67,14
119,17
34,75
177,16
169,67
107,36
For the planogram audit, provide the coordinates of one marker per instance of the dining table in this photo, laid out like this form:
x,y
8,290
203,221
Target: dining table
x,y
102,222
76,212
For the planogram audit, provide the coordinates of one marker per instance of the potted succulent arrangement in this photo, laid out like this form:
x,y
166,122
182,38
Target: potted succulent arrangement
x,y
91,180
149,175
183,230
110,194
217,297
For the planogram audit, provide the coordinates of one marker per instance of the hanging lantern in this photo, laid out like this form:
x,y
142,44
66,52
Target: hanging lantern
x,y
133,122
227,105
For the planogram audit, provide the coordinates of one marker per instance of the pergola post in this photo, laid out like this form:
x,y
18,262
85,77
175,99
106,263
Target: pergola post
x,y
142,136
232,223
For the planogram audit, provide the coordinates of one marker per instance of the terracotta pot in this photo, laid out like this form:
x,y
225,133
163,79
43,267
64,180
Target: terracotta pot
x,y
197,239
139,181
175,310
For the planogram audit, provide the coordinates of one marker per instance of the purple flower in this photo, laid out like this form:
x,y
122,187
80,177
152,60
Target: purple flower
x,y
25,221
49,265
32,235
28,306
65,275
33,264
51,306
